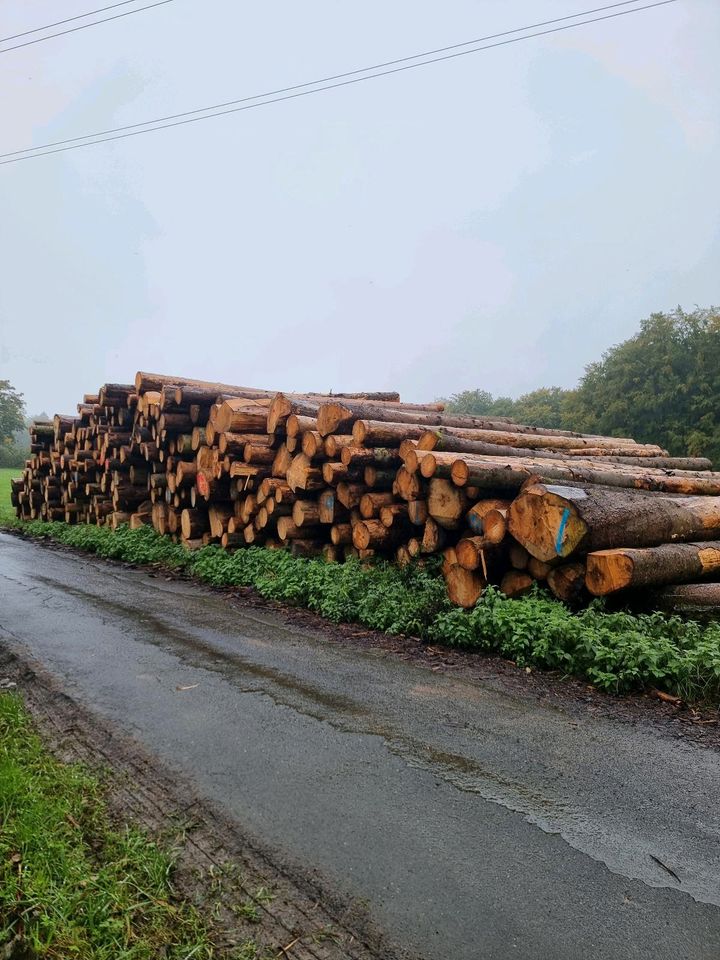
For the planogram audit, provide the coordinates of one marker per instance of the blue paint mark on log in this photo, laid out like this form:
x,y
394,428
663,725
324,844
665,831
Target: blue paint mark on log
x,y
561,531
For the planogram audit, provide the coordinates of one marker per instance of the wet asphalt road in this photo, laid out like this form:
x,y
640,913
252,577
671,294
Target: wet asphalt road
x,y
474,823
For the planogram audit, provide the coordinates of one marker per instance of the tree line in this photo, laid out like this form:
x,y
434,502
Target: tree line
x,y
660,386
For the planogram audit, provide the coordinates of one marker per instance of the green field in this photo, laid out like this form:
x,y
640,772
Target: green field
x,y
6,511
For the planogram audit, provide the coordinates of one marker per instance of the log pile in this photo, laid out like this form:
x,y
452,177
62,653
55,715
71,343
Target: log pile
x,y
365,475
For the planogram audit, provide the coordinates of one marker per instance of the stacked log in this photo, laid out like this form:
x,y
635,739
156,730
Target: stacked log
x,y
365,475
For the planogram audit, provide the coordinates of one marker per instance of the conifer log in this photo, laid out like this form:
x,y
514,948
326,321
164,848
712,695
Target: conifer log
x,y
436,440
464,587
302,475
495,525
689,598
341,534
357,456
553,521
475,517
620,569
285,404
375,535
434,537
242,416
494,473
567,582
193,523
371,503
340,417
145,382
446,503
470,552
516,583
306,512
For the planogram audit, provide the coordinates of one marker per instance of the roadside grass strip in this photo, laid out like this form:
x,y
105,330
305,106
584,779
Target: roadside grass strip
x,y
618,652
7,511
72,884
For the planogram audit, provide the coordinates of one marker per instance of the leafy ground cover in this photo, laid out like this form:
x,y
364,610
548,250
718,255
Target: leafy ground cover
x,y
72,884
617,651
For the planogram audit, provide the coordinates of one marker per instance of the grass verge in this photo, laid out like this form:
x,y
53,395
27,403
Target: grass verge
x,y
7,512
71,883
617,651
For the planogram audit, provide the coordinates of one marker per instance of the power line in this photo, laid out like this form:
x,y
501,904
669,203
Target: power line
x,y
59,23
189,117
314,83
83,26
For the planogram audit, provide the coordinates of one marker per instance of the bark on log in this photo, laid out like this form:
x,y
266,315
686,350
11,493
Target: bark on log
x,y
494,473
350,494
372,534
428,415
440,442
689,598
553,521
619,569
285,404
358,456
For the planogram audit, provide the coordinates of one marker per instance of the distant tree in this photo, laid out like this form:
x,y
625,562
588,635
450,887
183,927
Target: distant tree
x,y
545,407
14,439
660,386
12,411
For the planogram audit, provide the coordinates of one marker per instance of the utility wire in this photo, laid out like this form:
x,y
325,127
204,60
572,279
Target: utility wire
x,y
189,117
314,83
83,26
59,23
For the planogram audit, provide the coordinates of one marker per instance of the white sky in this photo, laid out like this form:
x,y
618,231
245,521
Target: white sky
x,y
495,221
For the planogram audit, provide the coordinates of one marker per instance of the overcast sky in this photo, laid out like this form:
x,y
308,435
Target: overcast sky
x,y
494,221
